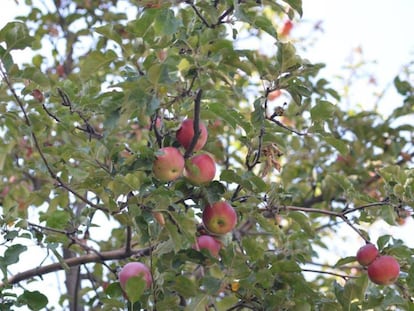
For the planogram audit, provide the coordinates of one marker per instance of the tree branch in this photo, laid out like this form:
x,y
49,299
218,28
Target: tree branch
x,y
60,182
76,261
277,122
344,276
196,123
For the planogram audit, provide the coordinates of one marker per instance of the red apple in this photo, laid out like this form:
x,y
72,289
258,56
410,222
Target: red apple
x,y
134,269
384,270
367,254
287,27
185,134
219,218
209,243
274,94
169,164
200,169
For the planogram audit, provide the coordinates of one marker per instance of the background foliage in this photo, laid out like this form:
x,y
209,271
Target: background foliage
x,y
78,126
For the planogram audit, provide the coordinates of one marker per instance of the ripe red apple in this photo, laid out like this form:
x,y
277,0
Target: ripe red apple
x,y
367,254
219,218
209,243
287,27
185,134
200,169
384,270
169,164
132,269
274,94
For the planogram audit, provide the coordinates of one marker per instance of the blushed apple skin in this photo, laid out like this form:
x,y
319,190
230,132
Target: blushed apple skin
x,y
219,218
185,134
132,269
209,243
169,165
200,169
367,254
384,270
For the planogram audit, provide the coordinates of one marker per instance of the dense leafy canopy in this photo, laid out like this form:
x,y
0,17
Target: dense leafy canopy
x,y
107,84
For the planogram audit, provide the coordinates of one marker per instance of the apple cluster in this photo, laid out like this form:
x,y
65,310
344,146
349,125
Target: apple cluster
x,y
170,164
218,218
382,270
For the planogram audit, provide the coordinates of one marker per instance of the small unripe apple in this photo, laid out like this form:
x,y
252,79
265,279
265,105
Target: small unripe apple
x,y
169,164
200,169
134,269
384,270
367,254
219,218
185,134
209,243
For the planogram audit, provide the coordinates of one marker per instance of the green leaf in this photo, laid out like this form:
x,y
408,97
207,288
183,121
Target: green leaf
x,y
12,254
286,57
114,290
354,289
285,266
211,284
296,5
6,58
258,114
33,299
134,288
263,23
342,181
185,286
323,110
109,32
34,74
383,241
16,35
198,303
338,144
95,61
343,261
303,220
403,87
166,23
58,219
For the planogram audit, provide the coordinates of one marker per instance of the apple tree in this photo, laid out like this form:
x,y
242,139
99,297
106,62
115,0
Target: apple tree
x,y
236,208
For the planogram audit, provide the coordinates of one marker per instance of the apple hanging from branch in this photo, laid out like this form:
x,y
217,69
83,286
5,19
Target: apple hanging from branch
x,y
200,169
185,134
169,164
367,254
384,270
219,218
209,243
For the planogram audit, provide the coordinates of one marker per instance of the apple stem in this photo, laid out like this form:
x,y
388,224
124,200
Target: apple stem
x,y
157,133
196,124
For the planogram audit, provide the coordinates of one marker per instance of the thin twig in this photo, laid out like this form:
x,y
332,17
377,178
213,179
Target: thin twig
x,y
344,276
256,159
200,15
196,123
277,122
